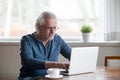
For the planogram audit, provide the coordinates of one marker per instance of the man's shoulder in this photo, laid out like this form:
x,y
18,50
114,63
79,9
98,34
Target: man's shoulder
x,y
27,36
57,37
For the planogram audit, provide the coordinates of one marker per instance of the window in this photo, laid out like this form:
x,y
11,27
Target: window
x,y
18,17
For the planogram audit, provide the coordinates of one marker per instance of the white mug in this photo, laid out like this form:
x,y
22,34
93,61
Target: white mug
x,y
53,72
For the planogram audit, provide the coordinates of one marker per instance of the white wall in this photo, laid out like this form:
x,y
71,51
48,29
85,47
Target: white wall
x,y
10,59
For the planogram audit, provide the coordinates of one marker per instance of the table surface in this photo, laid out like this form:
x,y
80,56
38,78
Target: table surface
x,y
102,73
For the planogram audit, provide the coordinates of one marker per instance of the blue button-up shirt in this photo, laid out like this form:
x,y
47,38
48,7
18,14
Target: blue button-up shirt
x,y
34,54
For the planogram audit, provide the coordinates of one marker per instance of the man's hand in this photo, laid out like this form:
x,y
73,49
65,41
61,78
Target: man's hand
x,y
61,65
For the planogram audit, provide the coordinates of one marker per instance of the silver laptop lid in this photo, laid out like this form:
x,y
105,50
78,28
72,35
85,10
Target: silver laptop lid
x,y
83,60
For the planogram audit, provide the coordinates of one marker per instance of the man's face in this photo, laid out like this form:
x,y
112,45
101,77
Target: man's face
x,y
49,29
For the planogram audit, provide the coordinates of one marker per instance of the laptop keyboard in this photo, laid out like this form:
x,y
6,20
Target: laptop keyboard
x,y
62,72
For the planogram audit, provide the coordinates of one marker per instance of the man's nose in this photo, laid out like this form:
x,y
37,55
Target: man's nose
x,y
52,30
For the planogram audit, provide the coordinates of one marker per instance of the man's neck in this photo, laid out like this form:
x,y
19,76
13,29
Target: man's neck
x,y
40,37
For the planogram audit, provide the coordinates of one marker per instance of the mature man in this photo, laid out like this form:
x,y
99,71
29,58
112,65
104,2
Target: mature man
x,y
40,50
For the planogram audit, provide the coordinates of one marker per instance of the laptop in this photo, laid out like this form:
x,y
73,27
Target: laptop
x,y
83,60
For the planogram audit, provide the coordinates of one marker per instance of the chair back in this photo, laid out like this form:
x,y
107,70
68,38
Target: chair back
x,y
115,58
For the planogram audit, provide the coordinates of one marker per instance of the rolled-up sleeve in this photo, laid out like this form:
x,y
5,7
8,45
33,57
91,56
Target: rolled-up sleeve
x,y
27,56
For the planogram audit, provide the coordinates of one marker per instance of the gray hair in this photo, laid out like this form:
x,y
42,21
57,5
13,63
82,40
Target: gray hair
x,y
42,18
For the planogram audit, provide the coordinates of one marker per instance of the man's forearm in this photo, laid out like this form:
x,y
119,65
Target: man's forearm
x,y
50,64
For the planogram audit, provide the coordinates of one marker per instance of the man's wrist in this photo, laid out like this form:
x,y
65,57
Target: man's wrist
x,y
50,64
